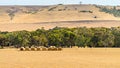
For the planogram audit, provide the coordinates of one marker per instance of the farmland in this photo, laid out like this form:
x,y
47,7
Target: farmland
x,y
67,58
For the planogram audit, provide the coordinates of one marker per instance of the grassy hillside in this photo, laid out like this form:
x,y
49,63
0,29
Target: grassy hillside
x,y
53,13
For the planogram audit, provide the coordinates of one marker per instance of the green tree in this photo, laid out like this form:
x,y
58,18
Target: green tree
x,y
2,40
116,33
103,37
69,38
84,36
55,37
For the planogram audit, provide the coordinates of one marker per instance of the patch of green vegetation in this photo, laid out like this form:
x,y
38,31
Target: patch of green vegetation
x,y
86,11
11,13
52,8
113,11
1,47
63,37
60,4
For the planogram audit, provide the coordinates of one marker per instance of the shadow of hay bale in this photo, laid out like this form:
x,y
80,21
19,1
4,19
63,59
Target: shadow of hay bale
x,y
22,49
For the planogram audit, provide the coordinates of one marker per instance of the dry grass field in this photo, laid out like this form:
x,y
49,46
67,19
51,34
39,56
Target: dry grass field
x,y
68,58
53,13
34,17
47,25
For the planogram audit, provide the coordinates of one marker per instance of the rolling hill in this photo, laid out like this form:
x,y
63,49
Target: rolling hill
x,y
25,17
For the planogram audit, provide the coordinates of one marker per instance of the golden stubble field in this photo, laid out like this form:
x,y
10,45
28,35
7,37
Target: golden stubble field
x,y
69,24
68,58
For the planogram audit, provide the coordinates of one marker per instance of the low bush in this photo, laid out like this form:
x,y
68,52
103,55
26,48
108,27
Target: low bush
x,y
86,11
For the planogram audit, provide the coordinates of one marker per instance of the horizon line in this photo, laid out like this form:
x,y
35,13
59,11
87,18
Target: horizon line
x,y
53,4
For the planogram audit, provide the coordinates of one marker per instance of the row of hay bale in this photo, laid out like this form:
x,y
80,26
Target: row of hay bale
x,y
52,48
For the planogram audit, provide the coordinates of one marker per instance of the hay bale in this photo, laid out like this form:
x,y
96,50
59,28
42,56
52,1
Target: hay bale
x,y
52,48
27,49
49,49
75,47
55,49
33,49
38,49
59,48
22,49
44,49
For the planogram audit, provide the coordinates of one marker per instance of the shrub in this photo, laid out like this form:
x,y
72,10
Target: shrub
x,y
60,4
113,11
1,47
86,11
95,16
52,8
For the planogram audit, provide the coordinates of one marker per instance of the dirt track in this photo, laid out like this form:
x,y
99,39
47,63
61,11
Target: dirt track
x,y
68,58
49,25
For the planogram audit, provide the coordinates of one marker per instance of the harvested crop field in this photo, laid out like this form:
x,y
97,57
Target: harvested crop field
x,y
49,25
68,58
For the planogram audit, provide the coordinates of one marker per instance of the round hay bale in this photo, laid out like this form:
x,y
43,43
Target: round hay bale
x,y
22,49
75,47
44,49
52,48
49,49
33,49
59,48
55,49
38,49
27,49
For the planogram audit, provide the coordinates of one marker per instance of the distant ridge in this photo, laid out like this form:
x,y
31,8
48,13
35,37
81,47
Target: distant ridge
x,y
52,13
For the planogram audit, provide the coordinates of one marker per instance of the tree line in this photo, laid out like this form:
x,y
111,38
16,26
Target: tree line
x,y
62,37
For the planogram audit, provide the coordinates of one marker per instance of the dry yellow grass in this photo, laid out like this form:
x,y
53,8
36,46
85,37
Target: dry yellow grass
x,y
32,26
69,14
51,19
68,58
